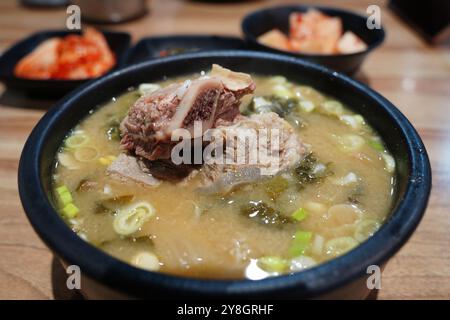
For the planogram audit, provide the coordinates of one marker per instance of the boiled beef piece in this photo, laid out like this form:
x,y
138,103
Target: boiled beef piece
x,y
223,177
127,168
271,158
146,130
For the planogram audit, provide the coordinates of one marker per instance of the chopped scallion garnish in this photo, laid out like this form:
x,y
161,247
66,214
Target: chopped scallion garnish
x,y
300,214
273,264
300,243
62,189
70,211
64,196
376,145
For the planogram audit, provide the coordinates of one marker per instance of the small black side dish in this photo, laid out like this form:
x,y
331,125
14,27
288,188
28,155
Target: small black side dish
x,y
261,21
158,47
118,42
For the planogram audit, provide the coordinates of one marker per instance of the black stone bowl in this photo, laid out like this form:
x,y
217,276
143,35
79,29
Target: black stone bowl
x,y
343,277
261,21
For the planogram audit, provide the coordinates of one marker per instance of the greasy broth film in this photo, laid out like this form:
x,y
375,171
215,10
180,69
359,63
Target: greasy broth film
x,y
333,200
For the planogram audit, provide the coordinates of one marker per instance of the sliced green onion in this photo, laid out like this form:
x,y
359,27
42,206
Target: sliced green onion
x,y
307,105
343,213
333,107
365,229
302,263
316,207
70,211
300,243
146,260
389,162
338,246
64,196
86,154
67,160
278,79
273,264
350,142
317,244
300,214
132,218
376,145
146,88
62,189
282,91
346,180
354,121
77,139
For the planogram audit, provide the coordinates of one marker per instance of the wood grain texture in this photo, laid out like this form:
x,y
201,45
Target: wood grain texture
x,y
413,75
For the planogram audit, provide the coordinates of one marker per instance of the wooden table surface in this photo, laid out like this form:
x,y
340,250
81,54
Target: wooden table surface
x,y
413,75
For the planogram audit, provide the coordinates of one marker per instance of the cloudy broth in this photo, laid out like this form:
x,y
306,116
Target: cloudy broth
x,y
313,217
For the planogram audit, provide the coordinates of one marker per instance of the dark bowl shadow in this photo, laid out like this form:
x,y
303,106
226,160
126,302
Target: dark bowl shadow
x,y
59,286
17,99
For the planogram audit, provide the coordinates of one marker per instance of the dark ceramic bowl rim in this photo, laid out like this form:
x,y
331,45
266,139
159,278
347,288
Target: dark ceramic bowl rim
x,y
252,38
125,278
189,36
178,37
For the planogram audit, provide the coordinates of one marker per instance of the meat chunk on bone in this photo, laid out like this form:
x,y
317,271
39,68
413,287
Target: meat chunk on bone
x,y
146,130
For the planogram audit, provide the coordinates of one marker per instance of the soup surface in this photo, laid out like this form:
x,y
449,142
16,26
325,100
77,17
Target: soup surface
x,y
336,197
